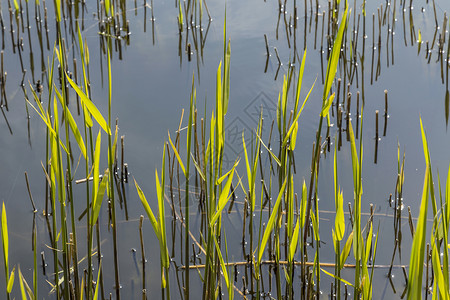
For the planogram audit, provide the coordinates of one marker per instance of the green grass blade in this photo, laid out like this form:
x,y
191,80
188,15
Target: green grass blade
x,y
148,210
161,214
44,118
270,152
437,271
96,166
338,278
107,7
99,198
355,161
247,164
11,281
222,262
180,161
303,204
98,280
82,288
5,240
284,98
294,240
90,106
346,251
114,145
22,288
418,245
222,178
315,225
223,199
219,105
17,8
326,107
299,82
58,10
73,125
199,169
334,57
424,143
291,128
368,244
447,195
271,222
226,79
279,113
180,16
339,222
294,137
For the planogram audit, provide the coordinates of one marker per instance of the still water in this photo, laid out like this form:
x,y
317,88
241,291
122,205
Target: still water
x,y
152,76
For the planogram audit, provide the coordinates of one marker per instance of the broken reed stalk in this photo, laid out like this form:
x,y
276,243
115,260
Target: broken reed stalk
x,y
376,136
141,219
297,263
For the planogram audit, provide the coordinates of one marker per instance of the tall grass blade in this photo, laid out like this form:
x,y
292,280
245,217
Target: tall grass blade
x,y
73,126
271,223
22,288
295,122
5,241
226,79
148,210
99,198
334,57
294,240
222,262
299,81
339,221
180,161
437,271
90,106
98,280
336,277
326,107
223,198
11,281
418,245
346,251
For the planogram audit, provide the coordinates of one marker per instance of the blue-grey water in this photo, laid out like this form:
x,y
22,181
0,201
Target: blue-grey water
x,y
151,87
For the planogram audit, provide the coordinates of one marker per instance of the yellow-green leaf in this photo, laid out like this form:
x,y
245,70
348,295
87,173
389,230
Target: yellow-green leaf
x,y
98,280
148,210
226,79
58,10
99,198
223,199
291,128
327,105
294,137
5,238
346,251
22,288
222,263
315,225
334,57
96,166
339,222
11,281
337,277
90,106
16,6
271,222
73,125
180,162
293,244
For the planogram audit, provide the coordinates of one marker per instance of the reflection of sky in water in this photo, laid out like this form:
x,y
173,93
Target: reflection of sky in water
x,y
151,87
